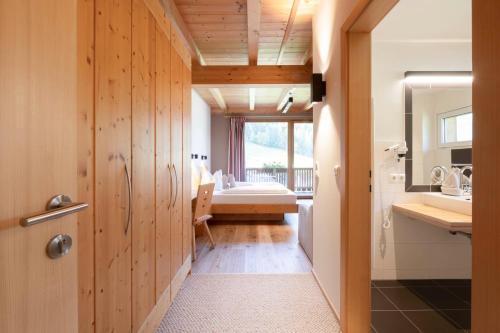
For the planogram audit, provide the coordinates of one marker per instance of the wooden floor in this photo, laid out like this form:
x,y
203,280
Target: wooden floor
x,y
252,248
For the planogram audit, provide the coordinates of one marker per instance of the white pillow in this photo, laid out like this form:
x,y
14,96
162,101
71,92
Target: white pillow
x,y
206,177
225,182
231,180
218,180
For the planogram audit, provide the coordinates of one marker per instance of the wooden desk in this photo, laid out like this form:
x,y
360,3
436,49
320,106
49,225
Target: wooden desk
x,y
448,220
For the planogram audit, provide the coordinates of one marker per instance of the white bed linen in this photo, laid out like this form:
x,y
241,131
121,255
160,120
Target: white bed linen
x,y
255,193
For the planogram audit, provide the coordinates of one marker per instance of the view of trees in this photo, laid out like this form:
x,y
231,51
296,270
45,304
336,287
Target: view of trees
x,y
275,135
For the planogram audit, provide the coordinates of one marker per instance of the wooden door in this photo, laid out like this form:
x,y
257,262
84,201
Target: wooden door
x,y
176,156
143,163
113,253
38,147
186,162
164,186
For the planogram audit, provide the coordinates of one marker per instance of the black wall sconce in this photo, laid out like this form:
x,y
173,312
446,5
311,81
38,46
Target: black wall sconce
x,y
318,88
194,156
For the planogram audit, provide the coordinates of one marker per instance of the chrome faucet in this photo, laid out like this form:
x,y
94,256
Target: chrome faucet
x,y
466,187
438,174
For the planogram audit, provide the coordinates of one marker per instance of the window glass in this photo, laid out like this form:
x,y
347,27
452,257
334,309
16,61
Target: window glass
x,y
266,152
456,128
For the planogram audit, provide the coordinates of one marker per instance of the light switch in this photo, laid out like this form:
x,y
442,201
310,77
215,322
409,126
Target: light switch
x,y
336,170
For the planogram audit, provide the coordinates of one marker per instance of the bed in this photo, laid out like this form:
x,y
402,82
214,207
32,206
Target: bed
x,y
254,201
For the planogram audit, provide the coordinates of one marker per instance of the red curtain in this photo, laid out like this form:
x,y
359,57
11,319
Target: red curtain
x,y
236,154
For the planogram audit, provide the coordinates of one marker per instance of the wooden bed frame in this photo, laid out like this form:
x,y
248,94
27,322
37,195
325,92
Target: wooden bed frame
x,y
252,212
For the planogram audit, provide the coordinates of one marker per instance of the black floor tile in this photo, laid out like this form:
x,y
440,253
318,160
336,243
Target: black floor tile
x,y
460,317
424,282
386,283
432,322
402,283
434,306
392,322
380,302
440,298
404,299
462,292
453,282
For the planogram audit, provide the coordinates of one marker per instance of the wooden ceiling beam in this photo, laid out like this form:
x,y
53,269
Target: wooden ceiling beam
x,y
259,110
253,27
219,99
214,75
288,31
307,56
248,86
251,98
177,21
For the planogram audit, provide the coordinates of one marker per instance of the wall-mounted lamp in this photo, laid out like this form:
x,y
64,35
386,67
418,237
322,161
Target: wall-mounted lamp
x,y
318,88
287,105
194,156
204,157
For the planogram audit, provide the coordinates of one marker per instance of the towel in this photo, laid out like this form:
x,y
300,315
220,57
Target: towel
x,y
451,184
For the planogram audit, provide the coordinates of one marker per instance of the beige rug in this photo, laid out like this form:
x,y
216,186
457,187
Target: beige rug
x,y
250,303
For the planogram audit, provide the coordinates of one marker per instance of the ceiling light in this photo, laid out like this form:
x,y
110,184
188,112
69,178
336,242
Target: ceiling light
x,y
287,105
438,79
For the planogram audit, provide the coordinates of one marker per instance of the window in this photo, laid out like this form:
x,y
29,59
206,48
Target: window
x,y
455,127
303,157
266,152
272,156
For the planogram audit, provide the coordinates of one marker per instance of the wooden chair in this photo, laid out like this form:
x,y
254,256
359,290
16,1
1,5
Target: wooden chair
x,y
201,213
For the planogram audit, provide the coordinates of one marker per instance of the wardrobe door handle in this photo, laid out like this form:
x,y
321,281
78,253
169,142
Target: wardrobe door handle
x,y
176,185
129,185
170,197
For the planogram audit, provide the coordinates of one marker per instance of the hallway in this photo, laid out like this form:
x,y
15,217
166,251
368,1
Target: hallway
x,y
257,279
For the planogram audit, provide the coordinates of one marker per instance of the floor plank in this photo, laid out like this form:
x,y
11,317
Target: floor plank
x,y
252,248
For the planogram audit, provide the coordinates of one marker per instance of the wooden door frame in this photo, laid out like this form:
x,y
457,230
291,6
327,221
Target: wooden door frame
x,y
356,227
355,316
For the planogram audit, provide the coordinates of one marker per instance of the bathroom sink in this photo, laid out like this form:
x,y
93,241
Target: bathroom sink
x,y
459,204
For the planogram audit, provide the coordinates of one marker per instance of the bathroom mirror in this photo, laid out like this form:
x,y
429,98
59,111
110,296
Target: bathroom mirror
x,y
438,125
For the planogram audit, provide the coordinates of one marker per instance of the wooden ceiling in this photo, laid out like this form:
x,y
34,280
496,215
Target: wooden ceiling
x,y
248,32
256,99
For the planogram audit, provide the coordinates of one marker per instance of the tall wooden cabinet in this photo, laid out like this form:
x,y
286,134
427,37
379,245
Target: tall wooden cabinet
x,y
113,166
141,151
143,162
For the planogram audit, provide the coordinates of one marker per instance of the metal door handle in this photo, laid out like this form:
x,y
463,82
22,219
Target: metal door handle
x,y
176,186
170,197
129,217
58,206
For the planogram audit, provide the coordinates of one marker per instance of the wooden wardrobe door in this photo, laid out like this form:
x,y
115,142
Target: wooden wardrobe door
x,y
164,175
186,162
143,163
113,252
176,155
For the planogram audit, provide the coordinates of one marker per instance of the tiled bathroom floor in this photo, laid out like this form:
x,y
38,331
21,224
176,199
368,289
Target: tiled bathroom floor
x,y
421,306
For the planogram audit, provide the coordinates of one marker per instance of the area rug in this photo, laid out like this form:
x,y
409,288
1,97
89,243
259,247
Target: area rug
x,y
250,303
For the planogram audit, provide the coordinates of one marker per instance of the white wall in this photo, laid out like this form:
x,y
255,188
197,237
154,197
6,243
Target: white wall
x,y
327,23
408,249
200,132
